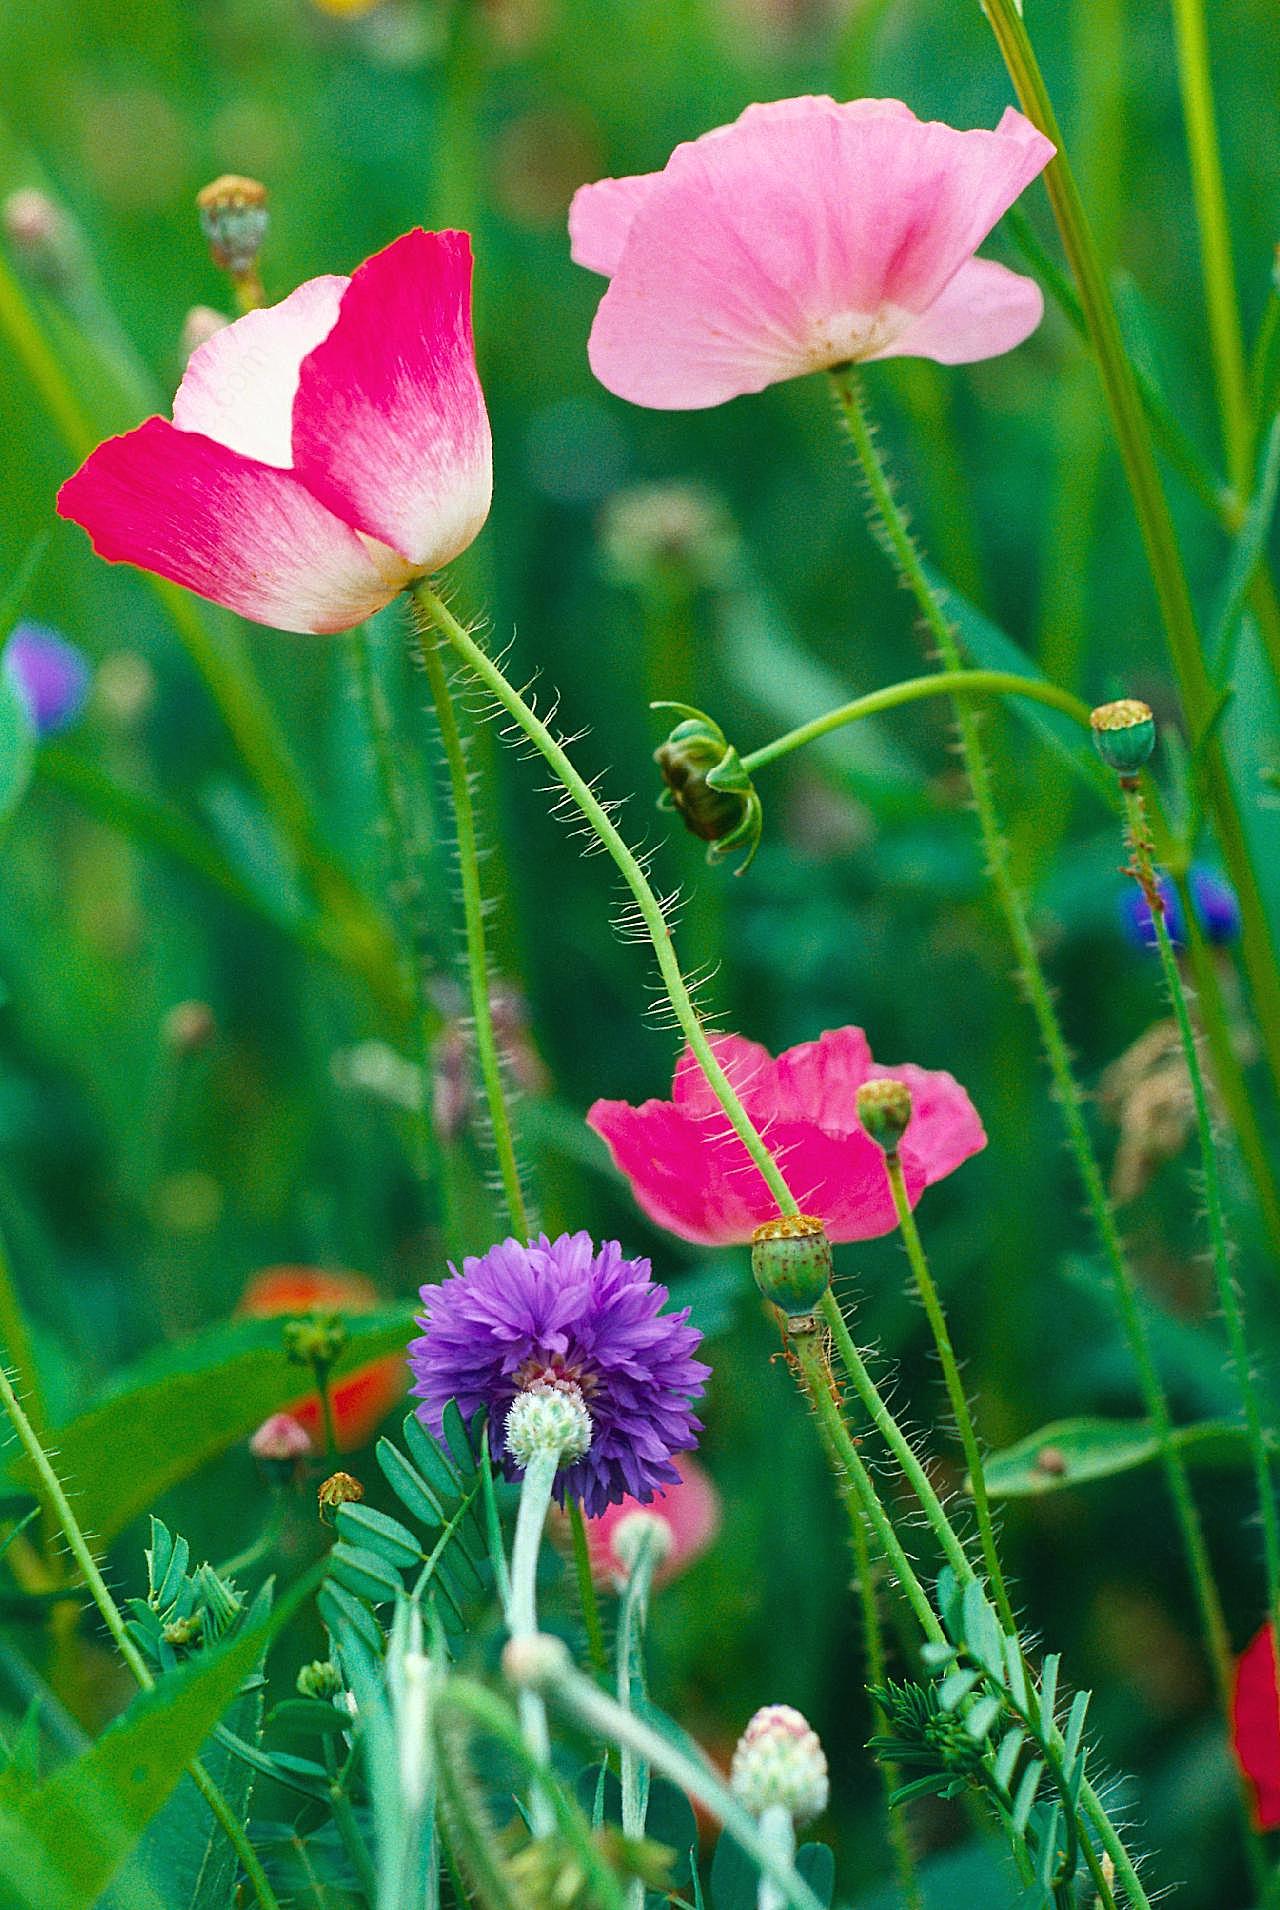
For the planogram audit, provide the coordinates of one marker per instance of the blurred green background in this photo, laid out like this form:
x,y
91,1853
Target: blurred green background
x,y
717,557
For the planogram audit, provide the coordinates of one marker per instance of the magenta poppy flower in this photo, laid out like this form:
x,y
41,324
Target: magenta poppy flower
x,y
802,236
690,1172
1255,1725
323,452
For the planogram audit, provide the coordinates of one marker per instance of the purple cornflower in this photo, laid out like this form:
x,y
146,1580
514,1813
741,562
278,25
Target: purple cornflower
x,y
564,1314
1214,901
50,675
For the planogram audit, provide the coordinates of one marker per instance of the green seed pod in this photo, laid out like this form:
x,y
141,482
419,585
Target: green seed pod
x,y
234,218
884,1109
1124,734
791,1261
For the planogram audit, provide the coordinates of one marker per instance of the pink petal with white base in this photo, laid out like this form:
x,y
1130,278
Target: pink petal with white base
x,y
239,386
241,533
389,424
985,310
804,235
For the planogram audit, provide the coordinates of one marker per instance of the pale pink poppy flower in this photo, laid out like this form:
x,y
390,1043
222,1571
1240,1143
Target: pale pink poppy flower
x,y
805,235
691,1509
690,1173
323,452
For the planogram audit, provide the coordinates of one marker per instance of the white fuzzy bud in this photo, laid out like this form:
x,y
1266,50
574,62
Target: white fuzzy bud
x,y
530,1663
639,1530
779,1761
548,1418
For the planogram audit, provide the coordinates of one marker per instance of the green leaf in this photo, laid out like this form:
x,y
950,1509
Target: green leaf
x,y
364,1573
61,1844
409,1486
17,745
1072,1452
170,1414
365,1525
1246,553
431,1459
734,1878
817,1865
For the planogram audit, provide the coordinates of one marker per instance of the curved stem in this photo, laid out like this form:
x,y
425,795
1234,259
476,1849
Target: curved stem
x,y
914,690
464,818
1196,690
650,909
55,1495
928,1293
1067,1091
1228,1295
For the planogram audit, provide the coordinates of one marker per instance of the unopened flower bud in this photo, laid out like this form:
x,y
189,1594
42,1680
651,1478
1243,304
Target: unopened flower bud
x,y
320,1679
531,1663
51,675
779,1761
1124,734
200,325
338,1489
180,1632
280,1445
791,1261
42,237
548,1418
124,687
234,219
316,1342
884,1110
708,787
639,1532
188,1026
658,529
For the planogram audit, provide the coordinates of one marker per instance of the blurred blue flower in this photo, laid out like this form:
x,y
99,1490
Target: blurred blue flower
x,y
1212,897
50,675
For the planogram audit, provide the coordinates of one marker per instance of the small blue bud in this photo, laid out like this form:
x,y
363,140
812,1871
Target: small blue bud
x,y
50,675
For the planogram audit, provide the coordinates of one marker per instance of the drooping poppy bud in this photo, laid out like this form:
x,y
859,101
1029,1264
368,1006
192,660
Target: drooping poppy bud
x,y
708,787
884,1109
234,219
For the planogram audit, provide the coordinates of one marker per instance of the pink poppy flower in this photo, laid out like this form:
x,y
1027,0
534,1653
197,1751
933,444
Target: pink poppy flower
x,y
691,1509
802,236
689,1172
323,452
1255,1726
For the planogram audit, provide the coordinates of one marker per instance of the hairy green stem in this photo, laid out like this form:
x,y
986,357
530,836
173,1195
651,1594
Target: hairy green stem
x,y
51,1488
1196,690
16,1347
932,1305
464,818
1067,1091
549,747
1219,1240
951,682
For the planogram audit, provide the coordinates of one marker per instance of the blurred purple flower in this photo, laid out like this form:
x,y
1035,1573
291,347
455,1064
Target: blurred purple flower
x,y
1212,897
565,1313
50,675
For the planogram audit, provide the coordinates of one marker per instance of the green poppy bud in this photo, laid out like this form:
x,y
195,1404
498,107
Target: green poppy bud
x,y
1124,734
708,787
791,1261
884,1109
